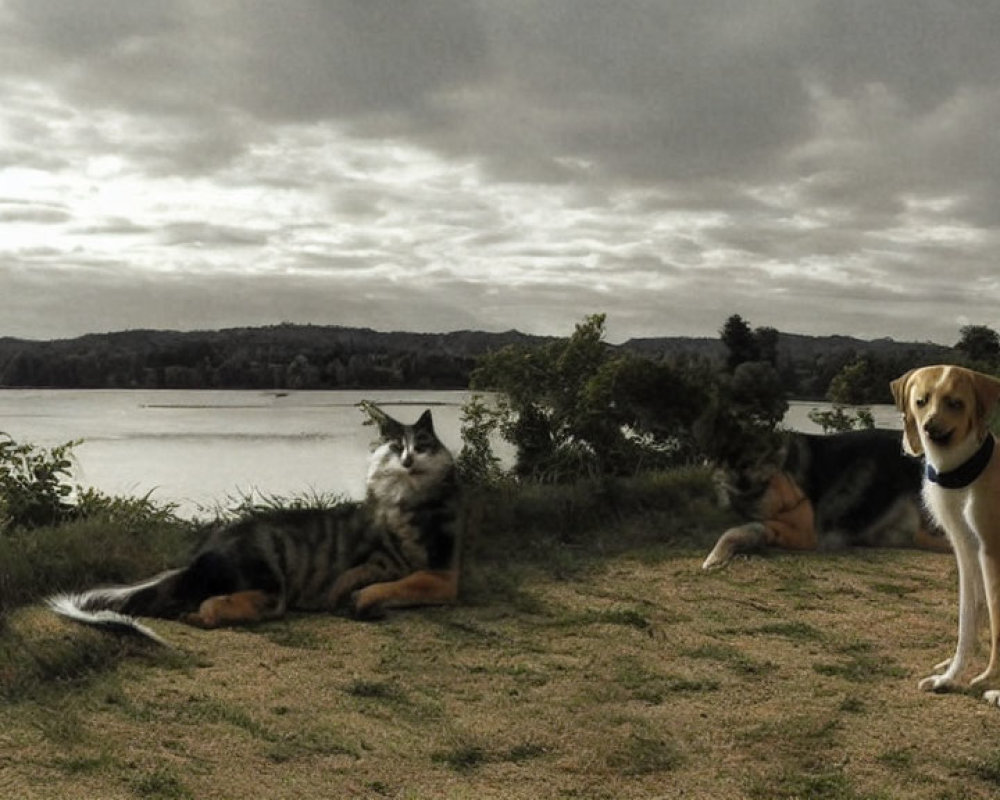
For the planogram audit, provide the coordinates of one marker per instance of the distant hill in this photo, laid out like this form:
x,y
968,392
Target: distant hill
x,y
333,357
792,346
272,357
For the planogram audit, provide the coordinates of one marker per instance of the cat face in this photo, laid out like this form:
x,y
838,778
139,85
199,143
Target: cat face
x,y
408,457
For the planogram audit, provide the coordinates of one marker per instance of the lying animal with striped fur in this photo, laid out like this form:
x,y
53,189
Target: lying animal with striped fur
x,y
823,492
399,547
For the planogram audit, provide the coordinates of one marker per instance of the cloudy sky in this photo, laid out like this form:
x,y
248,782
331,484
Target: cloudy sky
x,y
820,166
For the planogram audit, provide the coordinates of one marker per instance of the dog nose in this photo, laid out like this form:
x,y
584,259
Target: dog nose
x,y
933,427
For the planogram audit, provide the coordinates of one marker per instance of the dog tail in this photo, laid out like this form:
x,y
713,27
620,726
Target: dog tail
x,y
115,608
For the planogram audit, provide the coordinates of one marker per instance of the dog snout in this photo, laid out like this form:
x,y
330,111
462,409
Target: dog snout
x,y
936,429
932,427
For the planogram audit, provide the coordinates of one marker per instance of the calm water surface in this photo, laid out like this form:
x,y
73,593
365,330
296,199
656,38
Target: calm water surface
x,y
200,449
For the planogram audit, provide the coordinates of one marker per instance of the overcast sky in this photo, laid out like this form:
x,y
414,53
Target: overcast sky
x,y
814,165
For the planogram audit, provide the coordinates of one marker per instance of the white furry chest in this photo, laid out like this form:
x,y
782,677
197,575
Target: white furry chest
x,y
392,488
952,508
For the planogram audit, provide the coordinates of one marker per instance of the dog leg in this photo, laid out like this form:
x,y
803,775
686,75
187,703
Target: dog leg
x,y
990,568
744,538
969,590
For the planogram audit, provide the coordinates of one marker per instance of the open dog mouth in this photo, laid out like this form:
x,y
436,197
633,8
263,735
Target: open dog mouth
x,y
940,437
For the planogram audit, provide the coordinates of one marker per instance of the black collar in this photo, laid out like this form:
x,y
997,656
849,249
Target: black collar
x,y
966,473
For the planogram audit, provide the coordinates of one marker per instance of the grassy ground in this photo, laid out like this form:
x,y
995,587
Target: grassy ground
x,y
599,662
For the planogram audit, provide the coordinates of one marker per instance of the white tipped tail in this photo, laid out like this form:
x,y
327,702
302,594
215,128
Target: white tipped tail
x,y
71,607
98,607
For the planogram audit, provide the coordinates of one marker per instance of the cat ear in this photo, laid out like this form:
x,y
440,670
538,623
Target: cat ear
x,y
425,421
387,426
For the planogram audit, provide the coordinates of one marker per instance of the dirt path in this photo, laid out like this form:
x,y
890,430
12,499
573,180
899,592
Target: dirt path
x,y
787,676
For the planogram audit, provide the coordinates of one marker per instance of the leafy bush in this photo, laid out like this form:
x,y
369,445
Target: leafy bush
x,y
36,490
34,484
577,408
837,419
477,464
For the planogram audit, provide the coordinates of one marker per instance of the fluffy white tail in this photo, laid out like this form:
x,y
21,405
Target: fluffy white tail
x,y
98,608
70,606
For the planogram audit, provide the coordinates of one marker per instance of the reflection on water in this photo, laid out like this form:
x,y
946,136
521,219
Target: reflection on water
x,y
200,448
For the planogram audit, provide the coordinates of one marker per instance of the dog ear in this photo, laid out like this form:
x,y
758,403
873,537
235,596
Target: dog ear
x,y
987,389
900,393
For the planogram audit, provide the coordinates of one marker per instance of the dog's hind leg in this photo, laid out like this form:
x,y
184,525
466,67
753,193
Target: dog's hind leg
x,y
989,563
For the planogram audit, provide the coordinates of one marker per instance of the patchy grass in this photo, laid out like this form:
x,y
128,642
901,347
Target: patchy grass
x,y
590,658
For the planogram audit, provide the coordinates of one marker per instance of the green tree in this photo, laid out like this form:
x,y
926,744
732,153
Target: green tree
x,y
767,344
857,383
741,343
980,343
577,407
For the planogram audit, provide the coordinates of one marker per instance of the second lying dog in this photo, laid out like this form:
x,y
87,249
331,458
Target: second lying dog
x,y
822,492
945,414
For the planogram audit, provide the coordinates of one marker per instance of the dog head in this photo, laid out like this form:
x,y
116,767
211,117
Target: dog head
x,y
945,411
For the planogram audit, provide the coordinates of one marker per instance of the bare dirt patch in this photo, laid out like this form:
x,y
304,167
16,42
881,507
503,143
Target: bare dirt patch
x,y
641,677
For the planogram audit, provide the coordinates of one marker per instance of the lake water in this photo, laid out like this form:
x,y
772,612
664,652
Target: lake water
x,y
200,449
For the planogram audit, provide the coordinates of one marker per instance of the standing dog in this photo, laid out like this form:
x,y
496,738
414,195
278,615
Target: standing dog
x,y
945,414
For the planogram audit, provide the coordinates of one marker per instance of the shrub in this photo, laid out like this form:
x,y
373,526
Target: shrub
x,y
578,408
34,484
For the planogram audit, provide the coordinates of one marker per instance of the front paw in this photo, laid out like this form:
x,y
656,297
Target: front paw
x,y
937,683
365,606
198,620
992,697
721,555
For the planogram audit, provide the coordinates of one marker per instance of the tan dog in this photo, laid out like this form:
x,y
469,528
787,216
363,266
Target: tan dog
x,y
945,414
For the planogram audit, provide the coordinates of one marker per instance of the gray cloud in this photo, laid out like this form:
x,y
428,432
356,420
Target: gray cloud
x,y
821,167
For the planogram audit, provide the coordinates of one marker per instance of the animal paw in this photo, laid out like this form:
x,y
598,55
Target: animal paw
x,y
197,620
721,555
937,683
992,697
364,609
984,677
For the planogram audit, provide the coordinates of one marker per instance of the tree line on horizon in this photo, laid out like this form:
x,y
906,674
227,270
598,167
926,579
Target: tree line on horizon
x,y
303,357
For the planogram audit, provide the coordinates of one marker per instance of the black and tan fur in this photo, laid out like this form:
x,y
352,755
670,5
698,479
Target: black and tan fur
x,y
399,547
822,492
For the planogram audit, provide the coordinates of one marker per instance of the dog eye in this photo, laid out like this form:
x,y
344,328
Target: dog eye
x,y
921,401
954,403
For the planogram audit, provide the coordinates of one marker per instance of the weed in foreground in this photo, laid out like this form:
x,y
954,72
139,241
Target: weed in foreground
x,y
804,741
461,758
642,754
861,665
988,769
161,784
733,658
832,785
468,756
650,687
